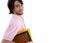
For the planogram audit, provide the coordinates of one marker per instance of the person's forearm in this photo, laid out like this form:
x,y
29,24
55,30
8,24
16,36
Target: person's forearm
x,y
7,41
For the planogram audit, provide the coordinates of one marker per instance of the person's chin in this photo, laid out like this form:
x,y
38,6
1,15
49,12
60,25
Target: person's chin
x,y
20,13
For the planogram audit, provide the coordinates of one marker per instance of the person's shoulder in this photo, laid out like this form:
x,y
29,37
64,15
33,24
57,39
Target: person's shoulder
x,y
14,20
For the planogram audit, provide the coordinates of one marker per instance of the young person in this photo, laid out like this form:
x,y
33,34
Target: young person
x,y
16,23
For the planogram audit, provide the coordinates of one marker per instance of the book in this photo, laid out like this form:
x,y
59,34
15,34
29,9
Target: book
x,y
23,36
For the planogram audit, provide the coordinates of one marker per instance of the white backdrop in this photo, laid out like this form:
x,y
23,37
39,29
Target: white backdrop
x,y
45,18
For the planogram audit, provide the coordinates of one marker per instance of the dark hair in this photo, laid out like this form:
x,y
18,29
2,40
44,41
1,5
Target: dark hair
x,y
11,5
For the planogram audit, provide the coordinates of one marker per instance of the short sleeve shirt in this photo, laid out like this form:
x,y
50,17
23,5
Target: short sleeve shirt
x,y
16,24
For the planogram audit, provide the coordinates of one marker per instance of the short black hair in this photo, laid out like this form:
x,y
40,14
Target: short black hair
x,y
11,5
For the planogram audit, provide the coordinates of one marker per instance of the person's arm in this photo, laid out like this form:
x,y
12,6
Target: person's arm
x,y
7,41
10,32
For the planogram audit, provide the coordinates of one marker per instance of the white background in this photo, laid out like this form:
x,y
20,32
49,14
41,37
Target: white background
x,y
45,18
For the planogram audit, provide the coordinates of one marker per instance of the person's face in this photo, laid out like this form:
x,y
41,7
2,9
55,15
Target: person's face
x,y
18,8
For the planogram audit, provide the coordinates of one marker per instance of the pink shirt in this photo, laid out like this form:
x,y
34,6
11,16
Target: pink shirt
x,y
16,24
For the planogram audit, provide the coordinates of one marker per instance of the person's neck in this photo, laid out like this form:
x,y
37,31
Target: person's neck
x,y
17,15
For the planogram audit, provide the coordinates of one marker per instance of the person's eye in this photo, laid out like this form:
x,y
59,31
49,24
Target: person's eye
x,y
17,5
21,5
